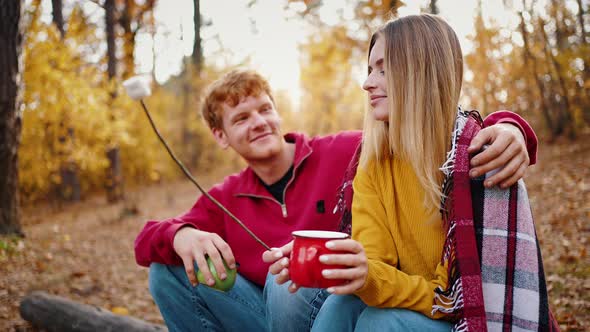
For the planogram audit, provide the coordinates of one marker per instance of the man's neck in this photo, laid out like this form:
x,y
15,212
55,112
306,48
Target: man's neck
x,y
270,171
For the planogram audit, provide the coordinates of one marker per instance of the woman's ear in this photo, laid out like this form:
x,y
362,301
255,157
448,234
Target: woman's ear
x,y
221,138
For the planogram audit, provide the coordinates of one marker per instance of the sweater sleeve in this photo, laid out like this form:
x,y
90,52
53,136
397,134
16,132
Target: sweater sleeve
x,y
155,242
527,131
386,286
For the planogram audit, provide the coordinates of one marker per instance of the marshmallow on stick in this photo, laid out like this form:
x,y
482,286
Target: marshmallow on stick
x,y
138,87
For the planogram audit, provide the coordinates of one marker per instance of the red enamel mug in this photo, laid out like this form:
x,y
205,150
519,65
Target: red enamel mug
x,y
305,268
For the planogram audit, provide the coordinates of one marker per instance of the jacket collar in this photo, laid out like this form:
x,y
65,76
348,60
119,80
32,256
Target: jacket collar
x,y
250,182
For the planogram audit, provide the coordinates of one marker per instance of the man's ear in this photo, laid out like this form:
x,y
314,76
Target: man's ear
x,y
220,138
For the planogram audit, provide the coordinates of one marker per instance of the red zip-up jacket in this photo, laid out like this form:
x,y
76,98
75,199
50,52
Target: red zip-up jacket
x,y
310,199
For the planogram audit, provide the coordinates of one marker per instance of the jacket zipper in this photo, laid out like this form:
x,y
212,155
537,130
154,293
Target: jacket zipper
x,y
284,205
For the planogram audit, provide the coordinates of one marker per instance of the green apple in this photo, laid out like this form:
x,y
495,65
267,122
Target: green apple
x,y
222,285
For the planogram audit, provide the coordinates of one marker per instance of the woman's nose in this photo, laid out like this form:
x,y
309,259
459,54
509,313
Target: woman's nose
x,y
368,84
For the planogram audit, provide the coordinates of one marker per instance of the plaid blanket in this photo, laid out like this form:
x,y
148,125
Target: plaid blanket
x,y
496,277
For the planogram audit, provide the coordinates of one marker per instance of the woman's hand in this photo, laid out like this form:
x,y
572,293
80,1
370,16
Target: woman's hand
x,y
355,260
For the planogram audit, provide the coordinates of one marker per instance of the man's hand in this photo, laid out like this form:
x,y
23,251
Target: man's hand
x,y
356,260
193,245
507,150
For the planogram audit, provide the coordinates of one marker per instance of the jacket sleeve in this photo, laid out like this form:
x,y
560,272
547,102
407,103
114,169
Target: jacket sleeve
x,y
155,242
530,137
386,286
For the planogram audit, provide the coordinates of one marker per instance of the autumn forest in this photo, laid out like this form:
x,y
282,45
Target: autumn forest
x,y
76,152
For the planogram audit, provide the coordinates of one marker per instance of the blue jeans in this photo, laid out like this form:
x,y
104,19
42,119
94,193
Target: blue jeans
x,y
245,307
349,313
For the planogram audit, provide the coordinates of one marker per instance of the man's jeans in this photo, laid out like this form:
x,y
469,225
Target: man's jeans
x,y
246,307
348,313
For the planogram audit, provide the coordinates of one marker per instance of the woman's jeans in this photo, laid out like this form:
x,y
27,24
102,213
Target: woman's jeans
x,y
349,313
245,307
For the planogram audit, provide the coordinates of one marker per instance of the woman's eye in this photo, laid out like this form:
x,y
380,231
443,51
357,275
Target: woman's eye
x,y
382,72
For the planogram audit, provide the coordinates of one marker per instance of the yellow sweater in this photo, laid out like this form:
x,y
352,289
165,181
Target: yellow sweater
x,y
403,241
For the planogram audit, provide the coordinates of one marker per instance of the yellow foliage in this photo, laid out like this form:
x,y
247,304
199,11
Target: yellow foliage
x,y
486,85
71,118
337,102
377,10
64,111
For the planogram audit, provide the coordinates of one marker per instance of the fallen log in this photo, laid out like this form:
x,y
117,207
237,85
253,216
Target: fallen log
x,y
54,313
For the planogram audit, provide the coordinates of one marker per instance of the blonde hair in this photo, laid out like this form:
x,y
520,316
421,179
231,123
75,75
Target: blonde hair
x,y
423,66
230,89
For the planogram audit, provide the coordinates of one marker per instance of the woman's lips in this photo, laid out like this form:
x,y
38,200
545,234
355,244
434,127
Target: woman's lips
x,y
376,99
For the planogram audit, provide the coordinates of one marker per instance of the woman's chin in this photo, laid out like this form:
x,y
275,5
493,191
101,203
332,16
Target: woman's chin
x,y
381,116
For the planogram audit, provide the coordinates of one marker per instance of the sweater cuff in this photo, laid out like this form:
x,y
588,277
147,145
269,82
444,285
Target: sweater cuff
x,y
367,291
527,131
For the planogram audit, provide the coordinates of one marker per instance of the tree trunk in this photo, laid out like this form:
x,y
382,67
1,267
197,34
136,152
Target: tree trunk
x,y
192,74
434,7
11,38
131,20
188,136
556,12
558,18
58,17
197,47
529,57
128,39
584,96
114,181
54,313
565,118
69,187
109,8
115,190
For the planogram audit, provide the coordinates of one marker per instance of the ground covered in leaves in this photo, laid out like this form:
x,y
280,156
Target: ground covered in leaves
x,y
84,251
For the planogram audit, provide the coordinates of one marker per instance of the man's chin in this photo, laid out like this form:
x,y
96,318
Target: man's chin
x,y
269,142
265,153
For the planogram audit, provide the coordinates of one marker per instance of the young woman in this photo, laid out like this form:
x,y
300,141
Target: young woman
x,y
486,237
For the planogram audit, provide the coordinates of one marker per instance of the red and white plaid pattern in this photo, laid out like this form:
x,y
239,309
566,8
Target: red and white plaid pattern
x,y
496,277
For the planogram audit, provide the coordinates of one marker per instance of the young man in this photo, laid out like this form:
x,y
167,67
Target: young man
x,y
291,183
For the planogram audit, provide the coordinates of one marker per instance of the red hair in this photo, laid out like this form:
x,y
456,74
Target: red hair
x,y
230,89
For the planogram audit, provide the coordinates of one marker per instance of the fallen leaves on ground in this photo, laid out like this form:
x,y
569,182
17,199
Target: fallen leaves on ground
x,y
84,252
